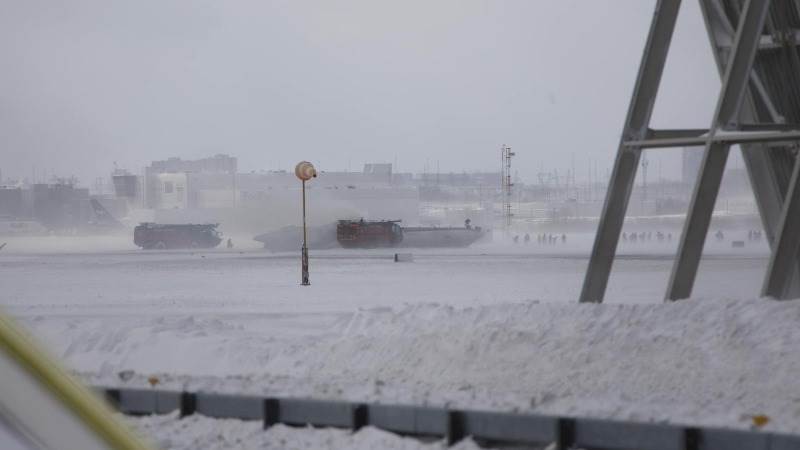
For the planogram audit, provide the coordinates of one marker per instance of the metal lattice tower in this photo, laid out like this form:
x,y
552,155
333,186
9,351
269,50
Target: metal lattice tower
x,y
755,48
507,185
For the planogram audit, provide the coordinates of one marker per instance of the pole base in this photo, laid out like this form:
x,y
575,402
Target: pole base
x,y
304,261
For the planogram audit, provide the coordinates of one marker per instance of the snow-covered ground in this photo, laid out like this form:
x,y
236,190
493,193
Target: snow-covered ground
x,y
202,432
110,273
494,326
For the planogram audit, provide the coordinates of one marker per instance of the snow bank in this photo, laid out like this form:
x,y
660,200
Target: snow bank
x,y
190,433
703,361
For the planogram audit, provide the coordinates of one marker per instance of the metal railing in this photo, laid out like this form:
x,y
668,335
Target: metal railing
x,y
450,424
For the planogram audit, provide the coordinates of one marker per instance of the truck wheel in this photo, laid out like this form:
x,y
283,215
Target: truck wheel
x,y
160,245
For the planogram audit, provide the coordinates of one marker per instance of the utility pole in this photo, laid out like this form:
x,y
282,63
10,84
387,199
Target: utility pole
x,y
233,188
645,163
507,184
304,171
572,173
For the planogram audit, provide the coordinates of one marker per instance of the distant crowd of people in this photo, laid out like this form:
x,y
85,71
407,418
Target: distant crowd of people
x,y
752,235
543,238
646,236
627,237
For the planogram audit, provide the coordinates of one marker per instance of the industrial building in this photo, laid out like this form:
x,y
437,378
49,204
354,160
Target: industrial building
x,y
57,207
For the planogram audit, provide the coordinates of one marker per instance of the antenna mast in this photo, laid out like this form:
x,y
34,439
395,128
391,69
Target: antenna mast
x,y
506,184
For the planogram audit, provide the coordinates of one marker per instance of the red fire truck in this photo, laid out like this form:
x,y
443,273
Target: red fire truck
x,y
170,236
369,233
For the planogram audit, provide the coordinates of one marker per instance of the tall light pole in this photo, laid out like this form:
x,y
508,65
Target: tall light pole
x,y
304,171
645,164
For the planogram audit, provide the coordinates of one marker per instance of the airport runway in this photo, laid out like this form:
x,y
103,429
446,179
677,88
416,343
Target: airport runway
x,y
115,276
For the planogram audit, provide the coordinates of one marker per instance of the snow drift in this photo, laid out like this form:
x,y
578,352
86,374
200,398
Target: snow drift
x,y
711,362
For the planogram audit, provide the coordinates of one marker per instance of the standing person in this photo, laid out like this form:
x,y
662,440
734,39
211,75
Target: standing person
x,y
563,238
527,238
230,243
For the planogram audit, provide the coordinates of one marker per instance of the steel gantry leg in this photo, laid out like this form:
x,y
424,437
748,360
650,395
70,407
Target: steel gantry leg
x,y
624,172
787,243
769,186
726,116
695,229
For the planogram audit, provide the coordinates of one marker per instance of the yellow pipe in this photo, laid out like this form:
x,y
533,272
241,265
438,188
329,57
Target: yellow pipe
x,y
72,394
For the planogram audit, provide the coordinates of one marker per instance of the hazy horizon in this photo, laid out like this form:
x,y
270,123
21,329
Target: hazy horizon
x,y
419,84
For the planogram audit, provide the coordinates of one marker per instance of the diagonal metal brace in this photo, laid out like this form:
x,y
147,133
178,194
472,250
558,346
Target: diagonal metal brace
x,y
726,116
787,243
624,172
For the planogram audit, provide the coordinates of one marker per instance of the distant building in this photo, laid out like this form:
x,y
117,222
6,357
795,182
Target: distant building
x,y
211,190
215,164
60,206
12,202
382,170
175,183
126,185
463,179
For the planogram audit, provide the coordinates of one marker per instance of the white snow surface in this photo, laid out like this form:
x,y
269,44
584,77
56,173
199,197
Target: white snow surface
x,y
486,328
709,362
169,433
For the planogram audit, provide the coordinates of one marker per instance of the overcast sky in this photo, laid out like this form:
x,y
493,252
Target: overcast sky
x,y
86,83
